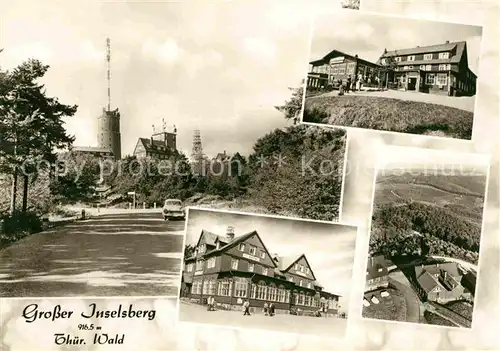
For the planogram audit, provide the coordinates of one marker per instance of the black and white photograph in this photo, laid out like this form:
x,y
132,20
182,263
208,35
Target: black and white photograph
x,y
266,272
393,74
111,129
425,236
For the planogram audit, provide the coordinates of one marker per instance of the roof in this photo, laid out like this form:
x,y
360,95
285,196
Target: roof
x,y
91,149
460,47
156,146
377,267
450,267
211,238
284,262
427,282
337,52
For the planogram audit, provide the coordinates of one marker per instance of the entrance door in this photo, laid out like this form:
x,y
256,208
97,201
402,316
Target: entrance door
x,y
412,83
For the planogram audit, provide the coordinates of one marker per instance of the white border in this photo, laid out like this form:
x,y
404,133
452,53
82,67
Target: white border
x,y
361,14
488,164
333,224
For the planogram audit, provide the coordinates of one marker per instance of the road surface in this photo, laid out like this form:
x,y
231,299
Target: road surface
x,y
331,327
127,254
414,307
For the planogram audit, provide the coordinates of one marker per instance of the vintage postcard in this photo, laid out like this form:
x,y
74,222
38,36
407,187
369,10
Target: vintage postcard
x,y
393,74
425,236
263,272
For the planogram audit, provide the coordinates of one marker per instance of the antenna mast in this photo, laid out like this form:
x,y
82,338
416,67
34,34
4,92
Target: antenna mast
x,y
108,61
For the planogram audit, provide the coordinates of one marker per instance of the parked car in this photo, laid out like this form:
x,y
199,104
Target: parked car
x,y
173,209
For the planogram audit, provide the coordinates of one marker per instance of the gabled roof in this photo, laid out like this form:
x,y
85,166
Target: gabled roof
x,y
156,146
288,263
377,267
450,267
210,238
427,282
337,52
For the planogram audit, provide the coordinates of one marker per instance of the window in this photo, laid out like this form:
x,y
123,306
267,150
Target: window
x,y
290,279
429,79
341,70
261,292
448,67
307,300
281,294
314,302
189,267
444,55
224,288
405,67
428,67
211,262
240,288
251,267
398,59
350,67
428,57
307,270
410,67
380,269
202,248
411,58
234,264
442,67
300,282
199,265
334,69
442,79
383,61
264,271
309,285
300,299
272,293
205,288
262,254
242,247
253,250
253,291
287,296
296,266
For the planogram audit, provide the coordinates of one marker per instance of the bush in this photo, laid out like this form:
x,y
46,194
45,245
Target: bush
x,y
18,226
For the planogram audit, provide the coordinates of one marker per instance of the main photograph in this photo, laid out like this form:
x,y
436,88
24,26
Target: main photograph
x,y
275,273
108,134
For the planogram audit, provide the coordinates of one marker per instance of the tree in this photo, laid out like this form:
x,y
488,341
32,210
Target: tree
x,y
388,65
293,106
351,4
31,125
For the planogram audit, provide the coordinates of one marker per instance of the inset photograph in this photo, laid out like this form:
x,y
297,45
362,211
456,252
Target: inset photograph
x,y
393,74
425,237
263,272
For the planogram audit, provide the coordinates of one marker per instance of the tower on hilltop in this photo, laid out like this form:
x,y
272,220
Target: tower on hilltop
x,y
108,123
197,157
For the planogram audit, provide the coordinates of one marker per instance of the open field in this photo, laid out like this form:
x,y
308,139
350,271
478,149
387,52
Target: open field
x,y
389,114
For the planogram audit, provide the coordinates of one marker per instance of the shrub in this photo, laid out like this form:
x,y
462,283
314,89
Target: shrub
x,y
18,226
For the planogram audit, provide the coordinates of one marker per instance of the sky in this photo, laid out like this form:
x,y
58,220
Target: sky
x,y
408,158
214,65
329,247
367,35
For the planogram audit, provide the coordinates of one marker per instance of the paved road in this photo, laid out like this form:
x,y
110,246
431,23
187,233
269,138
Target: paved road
x,y
134,254
325,327
414,308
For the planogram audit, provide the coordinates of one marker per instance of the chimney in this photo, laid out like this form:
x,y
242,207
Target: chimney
x,y
356,56
447,42
230,233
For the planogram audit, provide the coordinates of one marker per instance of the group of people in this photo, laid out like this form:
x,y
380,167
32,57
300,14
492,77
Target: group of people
x,y
210,303
347,85
269,309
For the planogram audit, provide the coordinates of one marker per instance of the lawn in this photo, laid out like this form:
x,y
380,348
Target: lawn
x,y
380,113
392,308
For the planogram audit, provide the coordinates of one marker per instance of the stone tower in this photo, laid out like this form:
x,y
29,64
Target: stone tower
x,y
108,132
108,124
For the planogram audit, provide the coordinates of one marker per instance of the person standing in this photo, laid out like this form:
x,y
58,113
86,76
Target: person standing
x,y
348,85
271,309
246,308
266,308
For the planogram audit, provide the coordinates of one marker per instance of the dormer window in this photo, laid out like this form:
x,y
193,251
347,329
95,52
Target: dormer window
x,y
444,55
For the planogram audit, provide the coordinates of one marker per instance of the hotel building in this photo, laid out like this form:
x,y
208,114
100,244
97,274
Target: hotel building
x,y
439,69
234,269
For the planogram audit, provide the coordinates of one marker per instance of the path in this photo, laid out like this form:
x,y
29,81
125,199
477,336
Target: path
x,y
414,307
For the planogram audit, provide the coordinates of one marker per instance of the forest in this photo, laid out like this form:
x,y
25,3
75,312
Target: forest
x,y
422,229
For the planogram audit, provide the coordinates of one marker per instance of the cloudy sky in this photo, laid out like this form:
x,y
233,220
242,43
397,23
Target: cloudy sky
x,y
214,65
329,248
367,35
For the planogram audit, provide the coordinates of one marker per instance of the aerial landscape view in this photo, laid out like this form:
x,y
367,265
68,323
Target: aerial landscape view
x,y
424,244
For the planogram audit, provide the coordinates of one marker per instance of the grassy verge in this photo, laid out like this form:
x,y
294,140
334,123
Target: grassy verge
x,y
390,308
390,115
432,318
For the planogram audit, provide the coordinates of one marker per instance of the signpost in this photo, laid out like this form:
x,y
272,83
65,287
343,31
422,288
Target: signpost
x,y
133,194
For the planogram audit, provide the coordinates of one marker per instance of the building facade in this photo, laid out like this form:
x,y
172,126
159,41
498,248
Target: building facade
x,y
377,273
108,132
438,69
234,269
441,282
337,65
159,146
94,151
